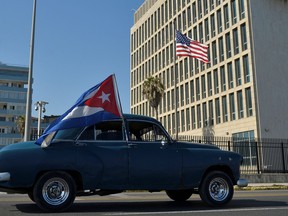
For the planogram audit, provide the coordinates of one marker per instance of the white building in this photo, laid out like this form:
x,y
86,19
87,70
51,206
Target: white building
x,y
242,92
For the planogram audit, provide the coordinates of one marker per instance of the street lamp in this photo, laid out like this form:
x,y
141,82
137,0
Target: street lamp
x,y
40,107
30,79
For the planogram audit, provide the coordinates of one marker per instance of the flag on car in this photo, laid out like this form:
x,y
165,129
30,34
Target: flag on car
x,y
99,103
185,46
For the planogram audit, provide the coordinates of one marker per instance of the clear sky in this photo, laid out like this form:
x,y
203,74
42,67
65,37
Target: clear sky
x,y
78,43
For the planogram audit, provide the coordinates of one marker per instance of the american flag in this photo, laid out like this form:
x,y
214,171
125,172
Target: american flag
x,y
185,46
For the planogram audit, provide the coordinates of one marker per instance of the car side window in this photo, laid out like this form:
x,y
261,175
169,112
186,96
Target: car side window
x,y
111,130
145,131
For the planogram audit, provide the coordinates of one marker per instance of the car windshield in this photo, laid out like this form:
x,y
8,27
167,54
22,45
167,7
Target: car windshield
x,y
68,134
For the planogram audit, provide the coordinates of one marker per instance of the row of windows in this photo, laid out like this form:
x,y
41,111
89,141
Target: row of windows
x,y
228,76
223,48
216,111
190,13
13,95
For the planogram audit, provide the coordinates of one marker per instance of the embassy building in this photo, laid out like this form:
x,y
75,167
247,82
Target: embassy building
x,y
242,92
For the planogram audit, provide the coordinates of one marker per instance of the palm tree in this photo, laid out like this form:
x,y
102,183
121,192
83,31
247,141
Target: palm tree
x,y
153,89
20,124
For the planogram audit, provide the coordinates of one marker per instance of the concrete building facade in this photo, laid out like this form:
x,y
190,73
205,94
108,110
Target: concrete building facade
x,y
12,101
241,92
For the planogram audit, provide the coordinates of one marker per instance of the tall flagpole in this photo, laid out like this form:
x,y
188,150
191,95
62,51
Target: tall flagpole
x,y
175,84
30,79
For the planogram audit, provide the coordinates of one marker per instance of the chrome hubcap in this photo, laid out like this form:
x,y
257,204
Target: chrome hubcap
x,y
218,189
55,191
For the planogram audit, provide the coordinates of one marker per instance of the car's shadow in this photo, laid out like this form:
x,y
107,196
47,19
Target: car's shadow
x,y
149,206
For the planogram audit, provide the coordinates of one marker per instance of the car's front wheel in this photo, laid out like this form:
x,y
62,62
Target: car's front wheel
x,y
216,189
179,195
54,191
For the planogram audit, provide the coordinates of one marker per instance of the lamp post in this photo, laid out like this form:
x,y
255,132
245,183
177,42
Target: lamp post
x,y
40,107
30,79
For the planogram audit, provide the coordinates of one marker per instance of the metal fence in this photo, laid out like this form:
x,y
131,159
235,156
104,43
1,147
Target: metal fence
x,y
260,155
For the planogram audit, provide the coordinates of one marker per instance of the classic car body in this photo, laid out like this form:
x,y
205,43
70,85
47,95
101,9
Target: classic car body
x,y
114,156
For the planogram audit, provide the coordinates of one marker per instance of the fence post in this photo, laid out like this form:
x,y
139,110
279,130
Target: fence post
x,y
257,158
229,146
283,157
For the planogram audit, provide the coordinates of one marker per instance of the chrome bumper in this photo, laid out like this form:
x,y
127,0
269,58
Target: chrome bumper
x,y
5,176
242,183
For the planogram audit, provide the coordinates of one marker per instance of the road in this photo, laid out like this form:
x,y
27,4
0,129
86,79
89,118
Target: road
x,y
250,203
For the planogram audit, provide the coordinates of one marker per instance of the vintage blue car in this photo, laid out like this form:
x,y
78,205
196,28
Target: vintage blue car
x,y
114,156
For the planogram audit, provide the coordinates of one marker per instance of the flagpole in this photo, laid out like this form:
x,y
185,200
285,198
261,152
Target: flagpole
x,y
175,84
119,104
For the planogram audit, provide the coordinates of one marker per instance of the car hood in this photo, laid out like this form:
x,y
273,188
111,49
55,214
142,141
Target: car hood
x,y
20,146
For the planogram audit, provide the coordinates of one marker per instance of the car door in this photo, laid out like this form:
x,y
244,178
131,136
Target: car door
x,y
154,161
102,156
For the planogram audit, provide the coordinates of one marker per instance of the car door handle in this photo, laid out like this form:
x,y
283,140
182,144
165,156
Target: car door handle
x,y
79,144
132,145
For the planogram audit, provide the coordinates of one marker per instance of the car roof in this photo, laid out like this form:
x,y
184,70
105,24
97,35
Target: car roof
x,y
139,117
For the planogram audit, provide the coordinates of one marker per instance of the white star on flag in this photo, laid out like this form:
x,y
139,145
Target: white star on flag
x,y
104,97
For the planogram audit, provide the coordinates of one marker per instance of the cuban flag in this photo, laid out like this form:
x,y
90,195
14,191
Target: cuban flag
x,y
100,102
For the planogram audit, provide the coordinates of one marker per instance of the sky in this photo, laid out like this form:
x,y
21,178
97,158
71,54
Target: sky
x,y
78,43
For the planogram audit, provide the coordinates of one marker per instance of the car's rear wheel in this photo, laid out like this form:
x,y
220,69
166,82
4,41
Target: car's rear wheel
x,y
54,191
216,189
179,195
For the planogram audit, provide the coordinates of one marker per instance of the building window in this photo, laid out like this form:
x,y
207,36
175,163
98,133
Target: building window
x,y
238,72
240,104
230,75
199,125
211,113
192,91
212,20
241,9
223,78
221,49
212,4
183,120
232,107
217,110
187,93
206,29
235,41
199,9
214,52
193,11
228,45
244,37
224,109
226,16
203,86
216,81
204,111
205,3
209,83
188,119
201,32
246,68
233,11
245,145
193,118
219,21
197,89
249,109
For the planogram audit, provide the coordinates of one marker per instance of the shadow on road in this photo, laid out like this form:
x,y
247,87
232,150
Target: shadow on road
x,y
148,206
